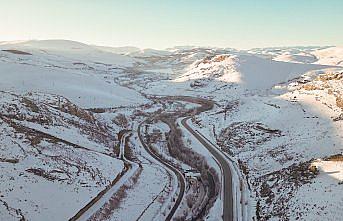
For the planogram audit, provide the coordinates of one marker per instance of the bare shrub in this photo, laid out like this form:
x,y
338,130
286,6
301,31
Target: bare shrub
x,y
310,87
339,102
121,121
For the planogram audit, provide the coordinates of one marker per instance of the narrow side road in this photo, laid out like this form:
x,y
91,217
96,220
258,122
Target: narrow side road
x,y
99,201
227,184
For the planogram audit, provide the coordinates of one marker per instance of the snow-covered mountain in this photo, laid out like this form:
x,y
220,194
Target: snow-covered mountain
x,y
251,71
330,55
70,50
77,71
86,132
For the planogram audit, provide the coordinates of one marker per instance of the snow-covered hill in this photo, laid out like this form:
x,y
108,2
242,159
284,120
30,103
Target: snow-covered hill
x,y
52,154
84,89
69,115
68,50
74,70
119,50
307,55
252,72
330,56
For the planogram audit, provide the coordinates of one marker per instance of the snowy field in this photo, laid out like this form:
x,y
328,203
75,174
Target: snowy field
x,y
65,107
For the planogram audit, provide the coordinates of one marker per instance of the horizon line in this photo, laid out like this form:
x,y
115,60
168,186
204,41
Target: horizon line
x,y
17,41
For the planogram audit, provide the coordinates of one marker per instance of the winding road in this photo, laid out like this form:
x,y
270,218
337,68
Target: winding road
x,y
227,188
227,185
181,179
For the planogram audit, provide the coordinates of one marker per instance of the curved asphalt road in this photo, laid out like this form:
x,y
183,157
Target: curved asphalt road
x,y
227,185
180,177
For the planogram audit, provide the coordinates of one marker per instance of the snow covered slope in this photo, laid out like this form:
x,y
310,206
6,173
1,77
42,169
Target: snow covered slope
x,y
330,56
83,89
296,58
307,55
59,69
251,72
69,114
54,157
119,50
69,50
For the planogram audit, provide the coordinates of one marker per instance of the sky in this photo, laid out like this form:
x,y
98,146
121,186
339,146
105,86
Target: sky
x,y
160,24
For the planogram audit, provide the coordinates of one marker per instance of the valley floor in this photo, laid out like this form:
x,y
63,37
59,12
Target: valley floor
x,y
181,134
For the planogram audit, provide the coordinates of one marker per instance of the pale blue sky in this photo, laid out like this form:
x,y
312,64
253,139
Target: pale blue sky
x,y
166,23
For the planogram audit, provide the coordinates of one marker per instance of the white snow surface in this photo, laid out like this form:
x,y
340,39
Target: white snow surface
x,y
267,87
330,56
323,197
251,72
70,50
83,88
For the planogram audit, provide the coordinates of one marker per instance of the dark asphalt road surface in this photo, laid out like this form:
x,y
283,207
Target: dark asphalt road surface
x,y
181,179
227,185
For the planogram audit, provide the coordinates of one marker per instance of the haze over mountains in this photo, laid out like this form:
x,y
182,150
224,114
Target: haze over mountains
x,y
96,133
